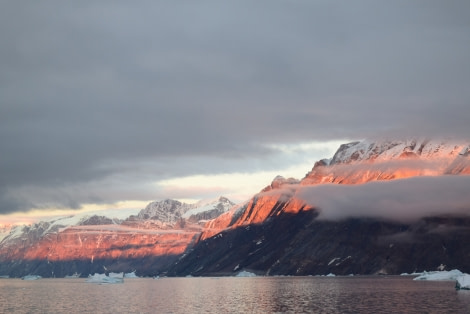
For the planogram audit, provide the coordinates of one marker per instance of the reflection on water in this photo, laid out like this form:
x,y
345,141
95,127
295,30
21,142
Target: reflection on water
x,y
234,295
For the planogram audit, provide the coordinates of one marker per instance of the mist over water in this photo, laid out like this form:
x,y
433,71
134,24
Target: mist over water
x,y
234,295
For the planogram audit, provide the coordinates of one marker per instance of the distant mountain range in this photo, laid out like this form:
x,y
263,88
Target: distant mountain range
x,y
284,229
147,241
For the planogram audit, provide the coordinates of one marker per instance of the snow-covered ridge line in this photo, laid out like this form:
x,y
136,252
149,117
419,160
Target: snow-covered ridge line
x,y
61,223
167,211
170,211
392,149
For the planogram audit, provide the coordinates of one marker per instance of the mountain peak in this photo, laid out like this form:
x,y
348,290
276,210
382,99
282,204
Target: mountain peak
x,y
391,159
384,150
278,182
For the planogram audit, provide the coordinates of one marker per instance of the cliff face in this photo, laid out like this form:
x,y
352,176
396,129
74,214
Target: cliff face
x,y
301,244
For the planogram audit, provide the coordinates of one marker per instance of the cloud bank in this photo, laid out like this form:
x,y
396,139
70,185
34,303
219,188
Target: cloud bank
x,y
403,200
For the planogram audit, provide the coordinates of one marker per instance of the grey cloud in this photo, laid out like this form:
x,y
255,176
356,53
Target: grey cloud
x,y
402,200
92,83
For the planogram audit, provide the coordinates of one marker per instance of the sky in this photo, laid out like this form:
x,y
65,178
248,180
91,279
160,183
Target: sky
x,y
112,104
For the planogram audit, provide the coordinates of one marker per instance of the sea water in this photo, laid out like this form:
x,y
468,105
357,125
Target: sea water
x,y
394,294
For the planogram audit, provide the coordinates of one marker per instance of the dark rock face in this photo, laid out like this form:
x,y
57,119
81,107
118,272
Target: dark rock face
x,y
299,244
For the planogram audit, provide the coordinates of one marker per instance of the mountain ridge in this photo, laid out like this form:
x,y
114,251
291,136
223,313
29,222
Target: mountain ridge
x,y
360,162
94,240
274,231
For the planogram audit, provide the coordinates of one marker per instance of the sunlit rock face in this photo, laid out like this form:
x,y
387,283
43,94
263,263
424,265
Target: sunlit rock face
x,y
361,162
278,233
97,242
353,163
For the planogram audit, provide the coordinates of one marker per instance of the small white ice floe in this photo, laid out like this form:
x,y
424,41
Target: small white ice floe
x,y
440,275
245,273
103,278
130,275
331,275
463,282
31,277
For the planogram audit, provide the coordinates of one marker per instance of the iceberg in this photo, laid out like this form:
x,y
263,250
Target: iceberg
x,y
103,278
31,277
463,282
130,275
440,275
244,273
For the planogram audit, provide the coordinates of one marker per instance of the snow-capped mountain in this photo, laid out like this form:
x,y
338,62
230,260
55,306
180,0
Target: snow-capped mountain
x,y
171,211
277,231
360,162
4,231
59,224
394,149
159,233
208,209
167,211
353,163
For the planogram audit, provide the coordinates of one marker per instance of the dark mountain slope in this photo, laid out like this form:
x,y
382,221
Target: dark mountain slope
x,y
300,244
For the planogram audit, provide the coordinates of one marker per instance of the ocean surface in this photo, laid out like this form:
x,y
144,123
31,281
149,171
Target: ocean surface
x,y
394,294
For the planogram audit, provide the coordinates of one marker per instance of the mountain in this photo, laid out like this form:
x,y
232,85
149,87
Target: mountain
x,y
374,207
169,212
5,230
353,163
360,162
280,231
147,241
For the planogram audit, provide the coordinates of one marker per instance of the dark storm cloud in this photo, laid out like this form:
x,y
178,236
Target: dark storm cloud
x,y
93,89
402,200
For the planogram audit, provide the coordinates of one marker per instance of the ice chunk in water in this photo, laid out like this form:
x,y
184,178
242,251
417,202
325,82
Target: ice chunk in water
x,y
463,282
